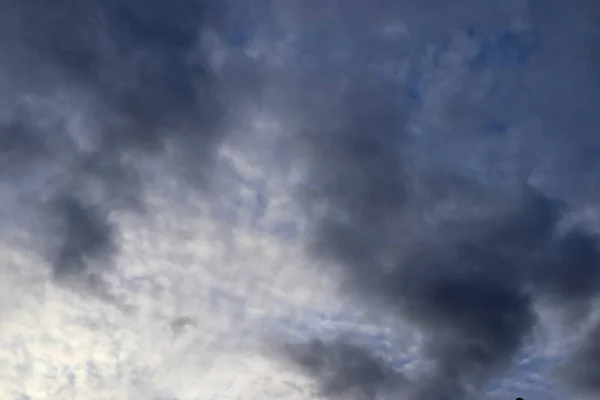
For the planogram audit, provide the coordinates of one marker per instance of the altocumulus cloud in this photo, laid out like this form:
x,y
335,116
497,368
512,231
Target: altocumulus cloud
x,y
186,183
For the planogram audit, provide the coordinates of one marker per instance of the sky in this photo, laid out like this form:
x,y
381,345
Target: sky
x,y
299,199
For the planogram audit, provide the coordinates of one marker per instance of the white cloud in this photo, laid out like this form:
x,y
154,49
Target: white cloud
x,y
234,282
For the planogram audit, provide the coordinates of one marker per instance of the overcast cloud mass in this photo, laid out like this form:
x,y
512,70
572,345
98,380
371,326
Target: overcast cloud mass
x,y
338,199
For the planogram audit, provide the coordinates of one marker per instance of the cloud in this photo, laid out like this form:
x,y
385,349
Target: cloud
x,y
431,156
404,204
346,371
175,265
581,370
141,83
86,235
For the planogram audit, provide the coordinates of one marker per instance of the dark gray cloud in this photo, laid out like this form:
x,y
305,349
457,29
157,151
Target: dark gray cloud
x,y
429,226
142,75
345,370
416,222
86,233
581,370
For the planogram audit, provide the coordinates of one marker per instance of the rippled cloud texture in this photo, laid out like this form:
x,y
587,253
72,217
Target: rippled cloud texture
x,y
333,199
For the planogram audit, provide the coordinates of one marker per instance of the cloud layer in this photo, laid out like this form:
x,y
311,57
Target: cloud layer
x,y
140,74
228,174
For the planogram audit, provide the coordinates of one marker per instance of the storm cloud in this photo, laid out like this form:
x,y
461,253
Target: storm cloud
x,y
410,201
445,149
91,90
581,370
346,370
